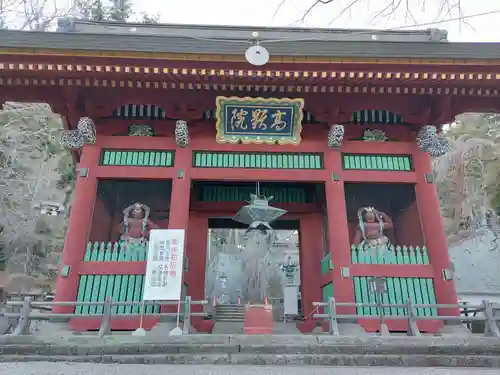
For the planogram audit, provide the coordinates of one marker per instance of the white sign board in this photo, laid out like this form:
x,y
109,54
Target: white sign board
x,y
291,300
163,281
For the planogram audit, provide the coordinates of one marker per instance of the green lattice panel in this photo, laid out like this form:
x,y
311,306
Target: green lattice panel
x,y
377,162
138,158
392,255
206,159
326,263
399,289
123,288
212,193
115,252
184,296
327,291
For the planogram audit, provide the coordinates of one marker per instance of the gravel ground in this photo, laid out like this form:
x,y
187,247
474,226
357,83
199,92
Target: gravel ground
x,y
45,368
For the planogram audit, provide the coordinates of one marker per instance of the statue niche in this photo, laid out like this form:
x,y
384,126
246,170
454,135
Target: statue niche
x,y
370,232
135,227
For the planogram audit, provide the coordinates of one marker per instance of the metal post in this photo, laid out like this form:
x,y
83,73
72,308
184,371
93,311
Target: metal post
x,y
412,323
491,326
332,312
380,308
186,329
23,324
5,325
106,318
378,286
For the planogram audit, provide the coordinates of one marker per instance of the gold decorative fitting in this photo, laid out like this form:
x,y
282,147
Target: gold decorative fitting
x,y
354,88
249,73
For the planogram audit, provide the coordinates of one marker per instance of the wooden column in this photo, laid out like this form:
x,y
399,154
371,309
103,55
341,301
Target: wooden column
x,y
310,258
181,190
338,232
178,217
79,224
197,235
433,231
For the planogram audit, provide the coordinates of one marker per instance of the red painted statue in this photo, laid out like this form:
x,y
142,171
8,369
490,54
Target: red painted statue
x,y
136,224
371,226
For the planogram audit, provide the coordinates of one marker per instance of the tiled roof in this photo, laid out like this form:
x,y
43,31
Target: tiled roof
x,y
195,39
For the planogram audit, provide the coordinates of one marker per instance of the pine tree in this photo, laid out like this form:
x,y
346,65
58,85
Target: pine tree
x,y
150,19
91,10
120,10
97,11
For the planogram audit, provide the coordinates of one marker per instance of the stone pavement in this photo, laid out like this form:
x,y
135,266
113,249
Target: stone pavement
x,y
257,350
104,369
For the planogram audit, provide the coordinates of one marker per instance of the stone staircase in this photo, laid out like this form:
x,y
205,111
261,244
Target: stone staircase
x,y
229,313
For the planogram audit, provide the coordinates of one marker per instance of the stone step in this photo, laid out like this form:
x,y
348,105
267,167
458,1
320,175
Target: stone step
x,y
230,308
227,320
230,315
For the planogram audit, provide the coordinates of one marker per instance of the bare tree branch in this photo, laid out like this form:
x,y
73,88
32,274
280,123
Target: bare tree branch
x,y
34,14
29,157
389,9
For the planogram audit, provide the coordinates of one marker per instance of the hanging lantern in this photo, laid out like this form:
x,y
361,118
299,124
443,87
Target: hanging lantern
x,y
258,214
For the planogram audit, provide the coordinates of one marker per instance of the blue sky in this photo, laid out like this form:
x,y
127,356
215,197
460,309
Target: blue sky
x,y
262,13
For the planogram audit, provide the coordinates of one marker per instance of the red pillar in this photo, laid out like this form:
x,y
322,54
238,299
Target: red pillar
x,y
197,253
178,217
433,232
181,190
79,225
338,232
197,236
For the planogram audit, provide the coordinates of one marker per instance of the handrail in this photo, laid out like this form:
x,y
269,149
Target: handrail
x,y
26,313
488,308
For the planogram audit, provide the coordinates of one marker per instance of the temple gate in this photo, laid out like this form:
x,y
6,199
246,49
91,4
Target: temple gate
x,y
344,145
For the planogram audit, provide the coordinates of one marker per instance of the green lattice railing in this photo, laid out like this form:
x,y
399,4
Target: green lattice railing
x,y
114,252
327,292
377,162
213,193
392,255
399,290
138,158
262,160
326,263
121,288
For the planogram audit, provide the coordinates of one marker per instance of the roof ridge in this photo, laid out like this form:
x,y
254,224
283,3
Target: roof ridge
x,y
73,25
